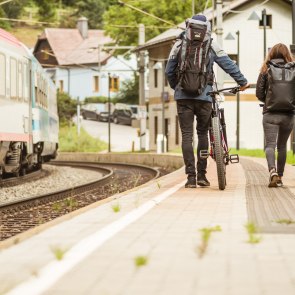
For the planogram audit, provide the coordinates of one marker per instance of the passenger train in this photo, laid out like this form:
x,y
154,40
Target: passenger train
x,y
28,110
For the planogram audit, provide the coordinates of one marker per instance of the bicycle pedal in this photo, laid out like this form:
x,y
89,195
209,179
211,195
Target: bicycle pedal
x,y
204,154
234,158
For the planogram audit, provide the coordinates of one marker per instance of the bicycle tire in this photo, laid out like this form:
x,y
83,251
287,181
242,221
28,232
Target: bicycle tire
x,y
218,152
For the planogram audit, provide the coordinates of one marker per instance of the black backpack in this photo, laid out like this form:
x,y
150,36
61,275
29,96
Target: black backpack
x,y
194,56
281,87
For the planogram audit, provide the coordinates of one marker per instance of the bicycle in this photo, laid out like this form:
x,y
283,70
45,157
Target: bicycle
x,y
218,140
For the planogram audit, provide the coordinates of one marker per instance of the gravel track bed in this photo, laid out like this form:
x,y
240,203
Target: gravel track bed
x,y
59,178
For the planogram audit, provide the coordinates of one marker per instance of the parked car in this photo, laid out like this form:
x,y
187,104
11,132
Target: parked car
x,y
92,110
96,111
122,116
103,117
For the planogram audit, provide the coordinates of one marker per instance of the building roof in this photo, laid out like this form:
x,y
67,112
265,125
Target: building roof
x,y
70,48
210,13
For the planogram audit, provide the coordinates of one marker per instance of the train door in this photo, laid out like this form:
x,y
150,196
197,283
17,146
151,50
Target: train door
x,y
28,97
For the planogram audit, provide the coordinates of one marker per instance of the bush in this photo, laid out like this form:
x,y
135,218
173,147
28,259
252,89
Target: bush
x,y
67,107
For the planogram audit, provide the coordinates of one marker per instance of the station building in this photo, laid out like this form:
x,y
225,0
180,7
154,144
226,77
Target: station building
x,y
237,16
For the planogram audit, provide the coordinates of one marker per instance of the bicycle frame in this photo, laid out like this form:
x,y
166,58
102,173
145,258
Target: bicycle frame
x,y
218,140
218,112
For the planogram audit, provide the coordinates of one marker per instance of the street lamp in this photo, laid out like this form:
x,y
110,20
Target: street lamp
x,y
255,16
161,66
109,112
231,37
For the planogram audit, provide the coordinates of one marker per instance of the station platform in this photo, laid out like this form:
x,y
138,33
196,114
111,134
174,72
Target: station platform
x,y
155,243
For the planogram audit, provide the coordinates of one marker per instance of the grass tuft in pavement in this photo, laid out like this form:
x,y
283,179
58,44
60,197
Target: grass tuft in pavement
x,y
252,233
205,237
140,261
285,221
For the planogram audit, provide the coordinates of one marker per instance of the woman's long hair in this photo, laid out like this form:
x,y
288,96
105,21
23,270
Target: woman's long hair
x,y
278,51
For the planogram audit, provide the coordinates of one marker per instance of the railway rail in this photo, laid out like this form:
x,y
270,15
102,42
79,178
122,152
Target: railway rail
x,y
17,217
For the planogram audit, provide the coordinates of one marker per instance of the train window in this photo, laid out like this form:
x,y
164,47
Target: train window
x,y
13,78
20,81
26,83
2,75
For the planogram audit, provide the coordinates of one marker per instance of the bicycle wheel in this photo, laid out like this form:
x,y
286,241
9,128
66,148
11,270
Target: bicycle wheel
x,y
218,152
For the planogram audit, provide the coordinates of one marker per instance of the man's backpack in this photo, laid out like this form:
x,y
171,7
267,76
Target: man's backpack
x,y
193,72
281,87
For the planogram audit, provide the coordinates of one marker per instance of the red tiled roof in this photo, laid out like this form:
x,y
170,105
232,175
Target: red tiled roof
x,y
70,48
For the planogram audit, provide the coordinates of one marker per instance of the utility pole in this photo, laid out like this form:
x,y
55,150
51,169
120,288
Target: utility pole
x,y
238,93
141,66
264,32
219,33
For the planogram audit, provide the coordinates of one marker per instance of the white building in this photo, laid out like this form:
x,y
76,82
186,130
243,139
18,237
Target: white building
x,y
235,18
78,63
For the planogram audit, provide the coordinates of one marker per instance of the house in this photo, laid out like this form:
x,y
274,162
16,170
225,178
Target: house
x,y
236,16
78,63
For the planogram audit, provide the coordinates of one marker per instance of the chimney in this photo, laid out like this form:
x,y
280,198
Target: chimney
x,y
82,26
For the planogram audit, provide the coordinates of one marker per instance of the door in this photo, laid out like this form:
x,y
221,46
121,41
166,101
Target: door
x,y
167,133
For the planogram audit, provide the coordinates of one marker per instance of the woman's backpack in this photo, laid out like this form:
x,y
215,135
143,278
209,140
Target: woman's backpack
x,y
281,87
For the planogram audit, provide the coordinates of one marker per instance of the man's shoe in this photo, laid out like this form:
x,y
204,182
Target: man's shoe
x,y
279,182
191,182
203,181
273,178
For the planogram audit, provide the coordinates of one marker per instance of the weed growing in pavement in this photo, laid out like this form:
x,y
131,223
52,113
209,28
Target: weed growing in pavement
x,y
136,179
58,252
56,207
285,221
116,207
140,261
158,184
205,237
70,203
252,232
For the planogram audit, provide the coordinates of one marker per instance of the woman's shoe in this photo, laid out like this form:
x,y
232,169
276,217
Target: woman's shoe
x,y
279,181
273,178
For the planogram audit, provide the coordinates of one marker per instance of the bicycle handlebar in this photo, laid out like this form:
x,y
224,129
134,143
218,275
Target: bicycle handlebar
x,y
232,90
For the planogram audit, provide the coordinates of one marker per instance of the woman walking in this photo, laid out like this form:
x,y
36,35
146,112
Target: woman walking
x,y
276,89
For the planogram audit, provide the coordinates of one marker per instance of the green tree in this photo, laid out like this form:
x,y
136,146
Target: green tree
x,y
15,8
93,10
66,107
47,10
129,91
174,11
4,24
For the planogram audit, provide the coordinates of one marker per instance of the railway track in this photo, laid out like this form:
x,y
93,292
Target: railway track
x,y
17,217
32,176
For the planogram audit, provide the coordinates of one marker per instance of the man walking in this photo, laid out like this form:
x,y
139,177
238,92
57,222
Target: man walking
x,y
190,73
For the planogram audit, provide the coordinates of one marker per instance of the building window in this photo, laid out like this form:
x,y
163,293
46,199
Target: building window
x,y
2,75
95,83
114,84
166,81
61,85
13,78
268,22
156,128
155,78
45,53
176,131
